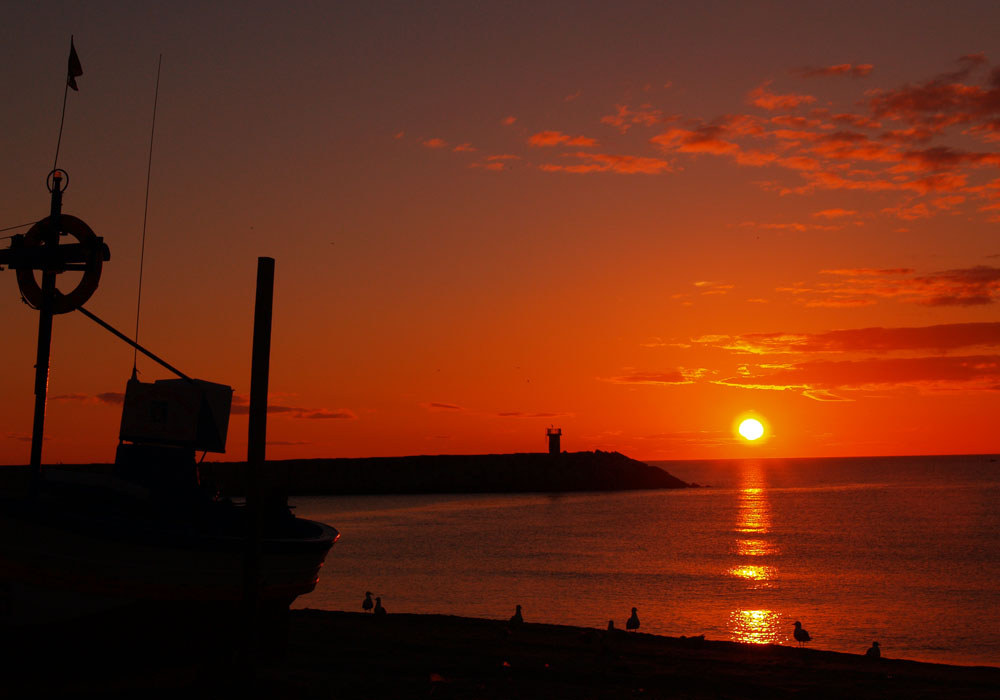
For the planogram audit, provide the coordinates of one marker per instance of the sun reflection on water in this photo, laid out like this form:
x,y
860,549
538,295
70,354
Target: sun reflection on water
x,y
752,573
755,626
755,548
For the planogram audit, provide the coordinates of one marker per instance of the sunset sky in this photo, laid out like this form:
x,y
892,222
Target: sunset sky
x,y
638,222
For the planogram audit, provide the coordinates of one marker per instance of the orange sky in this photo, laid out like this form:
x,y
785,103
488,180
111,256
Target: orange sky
x,y
635,221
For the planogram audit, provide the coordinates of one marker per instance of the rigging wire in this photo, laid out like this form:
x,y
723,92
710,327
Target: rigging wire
x,y
11,228
145,211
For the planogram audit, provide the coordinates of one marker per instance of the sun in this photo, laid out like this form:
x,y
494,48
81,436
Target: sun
x,y
751,429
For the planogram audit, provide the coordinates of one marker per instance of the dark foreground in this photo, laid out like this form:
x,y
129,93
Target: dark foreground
x,y
351,655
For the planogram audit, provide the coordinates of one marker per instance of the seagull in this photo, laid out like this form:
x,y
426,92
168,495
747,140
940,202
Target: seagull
x,y
633,622
874,652
367,605
379,610
801,636
517,619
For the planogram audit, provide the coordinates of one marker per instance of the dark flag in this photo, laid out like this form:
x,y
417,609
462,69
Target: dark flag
x,y
74,70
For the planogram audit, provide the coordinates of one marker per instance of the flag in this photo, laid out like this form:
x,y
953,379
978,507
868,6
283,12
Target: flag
x,y
74,70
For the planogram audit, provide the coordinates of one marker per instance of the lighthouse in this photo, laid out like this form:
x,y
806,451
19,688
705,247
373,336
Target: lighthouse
x,y
554,435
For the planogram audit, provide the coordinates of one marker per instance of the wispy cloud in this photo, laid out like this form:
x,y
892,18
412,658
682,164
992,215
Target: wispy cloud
x,y
819,378
877,339
607,162
854,70
438,406
765,99
557,138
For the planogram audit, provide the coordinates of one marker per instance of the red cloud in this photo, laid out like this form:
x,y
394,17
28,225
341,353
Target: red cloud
x,y
972,286
834,213
605,162
858,70
975,372
942,101
557,138
940,338
706,139
435,143
761,97
671,377
624,118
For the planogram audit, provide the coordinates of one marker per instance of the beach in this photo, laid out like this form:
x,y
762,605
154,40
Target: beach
x,y
356,655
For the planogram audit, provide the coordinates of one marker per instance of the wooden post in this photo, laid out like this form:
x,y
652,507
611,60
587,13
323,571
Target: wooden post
x,y
256,443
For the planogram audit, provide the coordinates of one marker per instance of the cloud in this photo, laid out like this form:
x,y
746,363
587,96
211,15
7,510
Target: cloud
x,y
763,98
436,406
606,162
108,397
557,138
706,139
508,121
521,414
240,408
624,118
639,377
942,101
464,148
973,286
939,338
435,143
708,288
857,70
834,213
940,373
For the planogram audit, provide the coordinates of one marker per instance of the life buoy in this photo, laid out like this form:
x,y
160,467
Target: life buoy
x,y
64,303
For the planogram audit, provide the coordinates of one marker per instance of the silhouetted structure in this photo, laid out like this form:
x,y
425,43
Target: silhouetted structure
x,y
367,603
517,619
554,436
801,636
379,610
633,622
873,651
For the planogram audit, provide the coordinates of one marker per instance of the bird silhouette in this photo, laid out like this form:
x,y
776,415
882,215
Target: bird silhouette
x,y
873,651
801,636
633,622
516,619
367,604
379,610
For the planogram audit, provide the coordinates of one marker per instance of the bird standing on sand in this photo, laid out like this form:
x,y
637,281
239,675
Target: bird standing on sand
x,y
367,604
379,610
517,619
873,651
633,622
801,636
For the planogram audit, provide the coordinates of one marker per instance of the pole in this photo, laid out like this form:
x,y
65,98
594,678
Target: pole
x,y
44,337
256,442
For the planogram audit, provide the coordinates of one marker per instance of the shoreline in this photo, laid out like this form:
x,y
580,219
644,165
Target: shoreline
x,y
358,655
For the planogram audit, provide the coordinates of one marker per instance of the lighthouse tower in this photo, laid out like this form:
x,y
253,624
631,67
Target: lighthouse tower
x,y
554,435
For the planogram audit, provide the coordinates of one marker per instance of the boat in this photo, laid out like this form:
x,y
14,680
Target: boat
x,y
147,532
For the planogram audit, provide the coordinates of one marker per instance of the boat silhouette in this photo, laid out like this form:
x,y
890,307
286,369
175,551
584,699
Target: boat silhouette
x,y
148,531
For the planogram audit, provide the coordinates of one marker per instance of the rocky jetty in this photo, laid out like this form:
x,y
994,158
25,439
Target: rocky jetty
x,y
499,473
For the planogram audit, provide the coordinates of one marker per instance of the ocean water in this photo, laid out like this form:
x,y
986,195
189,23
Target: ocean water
x,y
902,550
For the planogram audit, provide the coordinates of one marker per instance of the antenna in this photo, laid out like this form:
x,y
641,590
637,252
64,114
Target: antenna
x,y
145,211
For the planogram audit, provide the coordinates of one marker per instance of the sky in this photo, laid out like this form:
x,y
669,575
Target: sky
x,y
638,222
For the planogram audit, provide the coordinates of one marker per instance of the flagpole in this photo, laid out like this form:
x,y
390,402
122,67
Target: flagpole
x,y
73,70
62,120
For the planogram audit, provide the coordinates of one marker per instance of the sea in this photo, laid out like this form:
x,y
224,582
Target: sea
x,y
900,550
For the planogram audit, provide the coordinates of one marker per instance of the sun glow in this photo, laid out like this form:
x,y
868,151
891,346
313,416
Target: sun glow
x,y
751,429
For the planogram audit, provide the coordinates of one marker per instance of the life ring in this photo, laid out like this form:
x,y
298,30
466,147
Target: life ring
x,y
64,303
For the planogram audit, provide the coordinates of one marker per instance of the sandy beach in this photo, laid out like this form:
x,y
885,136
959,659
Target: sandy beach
x,y
354,655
